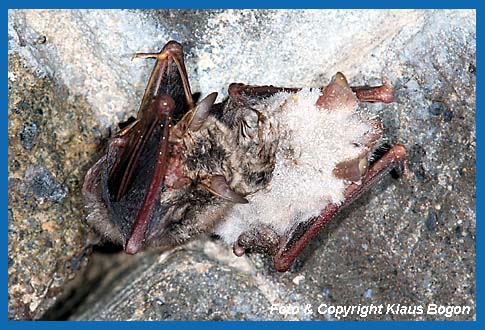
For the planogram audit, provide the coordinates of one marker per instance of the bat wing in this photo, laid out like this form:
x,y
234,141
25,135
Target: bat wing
x,y
137,156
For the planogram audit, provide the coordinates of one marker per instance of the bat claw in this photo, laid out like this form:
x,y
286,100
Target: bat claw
x,y
159,56
132,246
238,250
172,48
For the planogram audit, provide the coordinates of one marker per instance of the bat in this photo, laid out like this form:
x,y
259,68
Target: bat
x,y
264,170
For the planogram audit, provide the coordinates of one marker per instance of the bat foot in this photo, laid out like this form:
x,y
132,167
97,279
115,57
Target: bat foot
x,y
260,239
381,93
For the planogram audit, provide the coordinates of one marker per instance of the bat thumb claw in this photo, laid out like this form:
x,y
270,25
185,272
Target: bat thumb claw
x,y
133,245
238,250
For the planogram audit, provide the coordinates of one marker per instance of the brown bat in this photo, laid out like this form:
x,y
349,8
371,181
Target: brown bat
x,y
265,169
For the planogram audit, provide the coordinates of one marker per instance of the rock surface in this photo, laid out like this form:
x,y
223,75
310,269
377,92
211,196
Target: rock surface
x,y
411,241
48,154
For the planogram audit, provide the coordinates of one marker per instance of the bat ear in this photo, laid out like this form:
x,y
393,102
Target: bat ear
x,y
218,186
201,112
337,95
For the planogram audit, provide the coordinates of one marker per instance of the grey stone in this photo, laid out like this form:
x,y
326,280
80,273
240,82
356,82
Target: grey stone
x,y
27,135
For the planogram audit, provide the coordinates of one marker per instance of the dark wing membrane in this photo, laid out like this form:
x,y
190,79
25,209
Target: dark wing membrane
x,y
169,78
133,169
127,156
137,156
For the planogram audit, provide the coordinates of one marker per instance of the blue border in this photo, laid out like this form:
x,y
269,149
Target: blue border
x,y
4,177
5,324
480,119
411,4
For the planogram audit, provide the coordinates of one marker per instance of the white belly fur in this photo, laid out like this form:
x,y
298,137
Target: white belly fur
x,y
312,142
